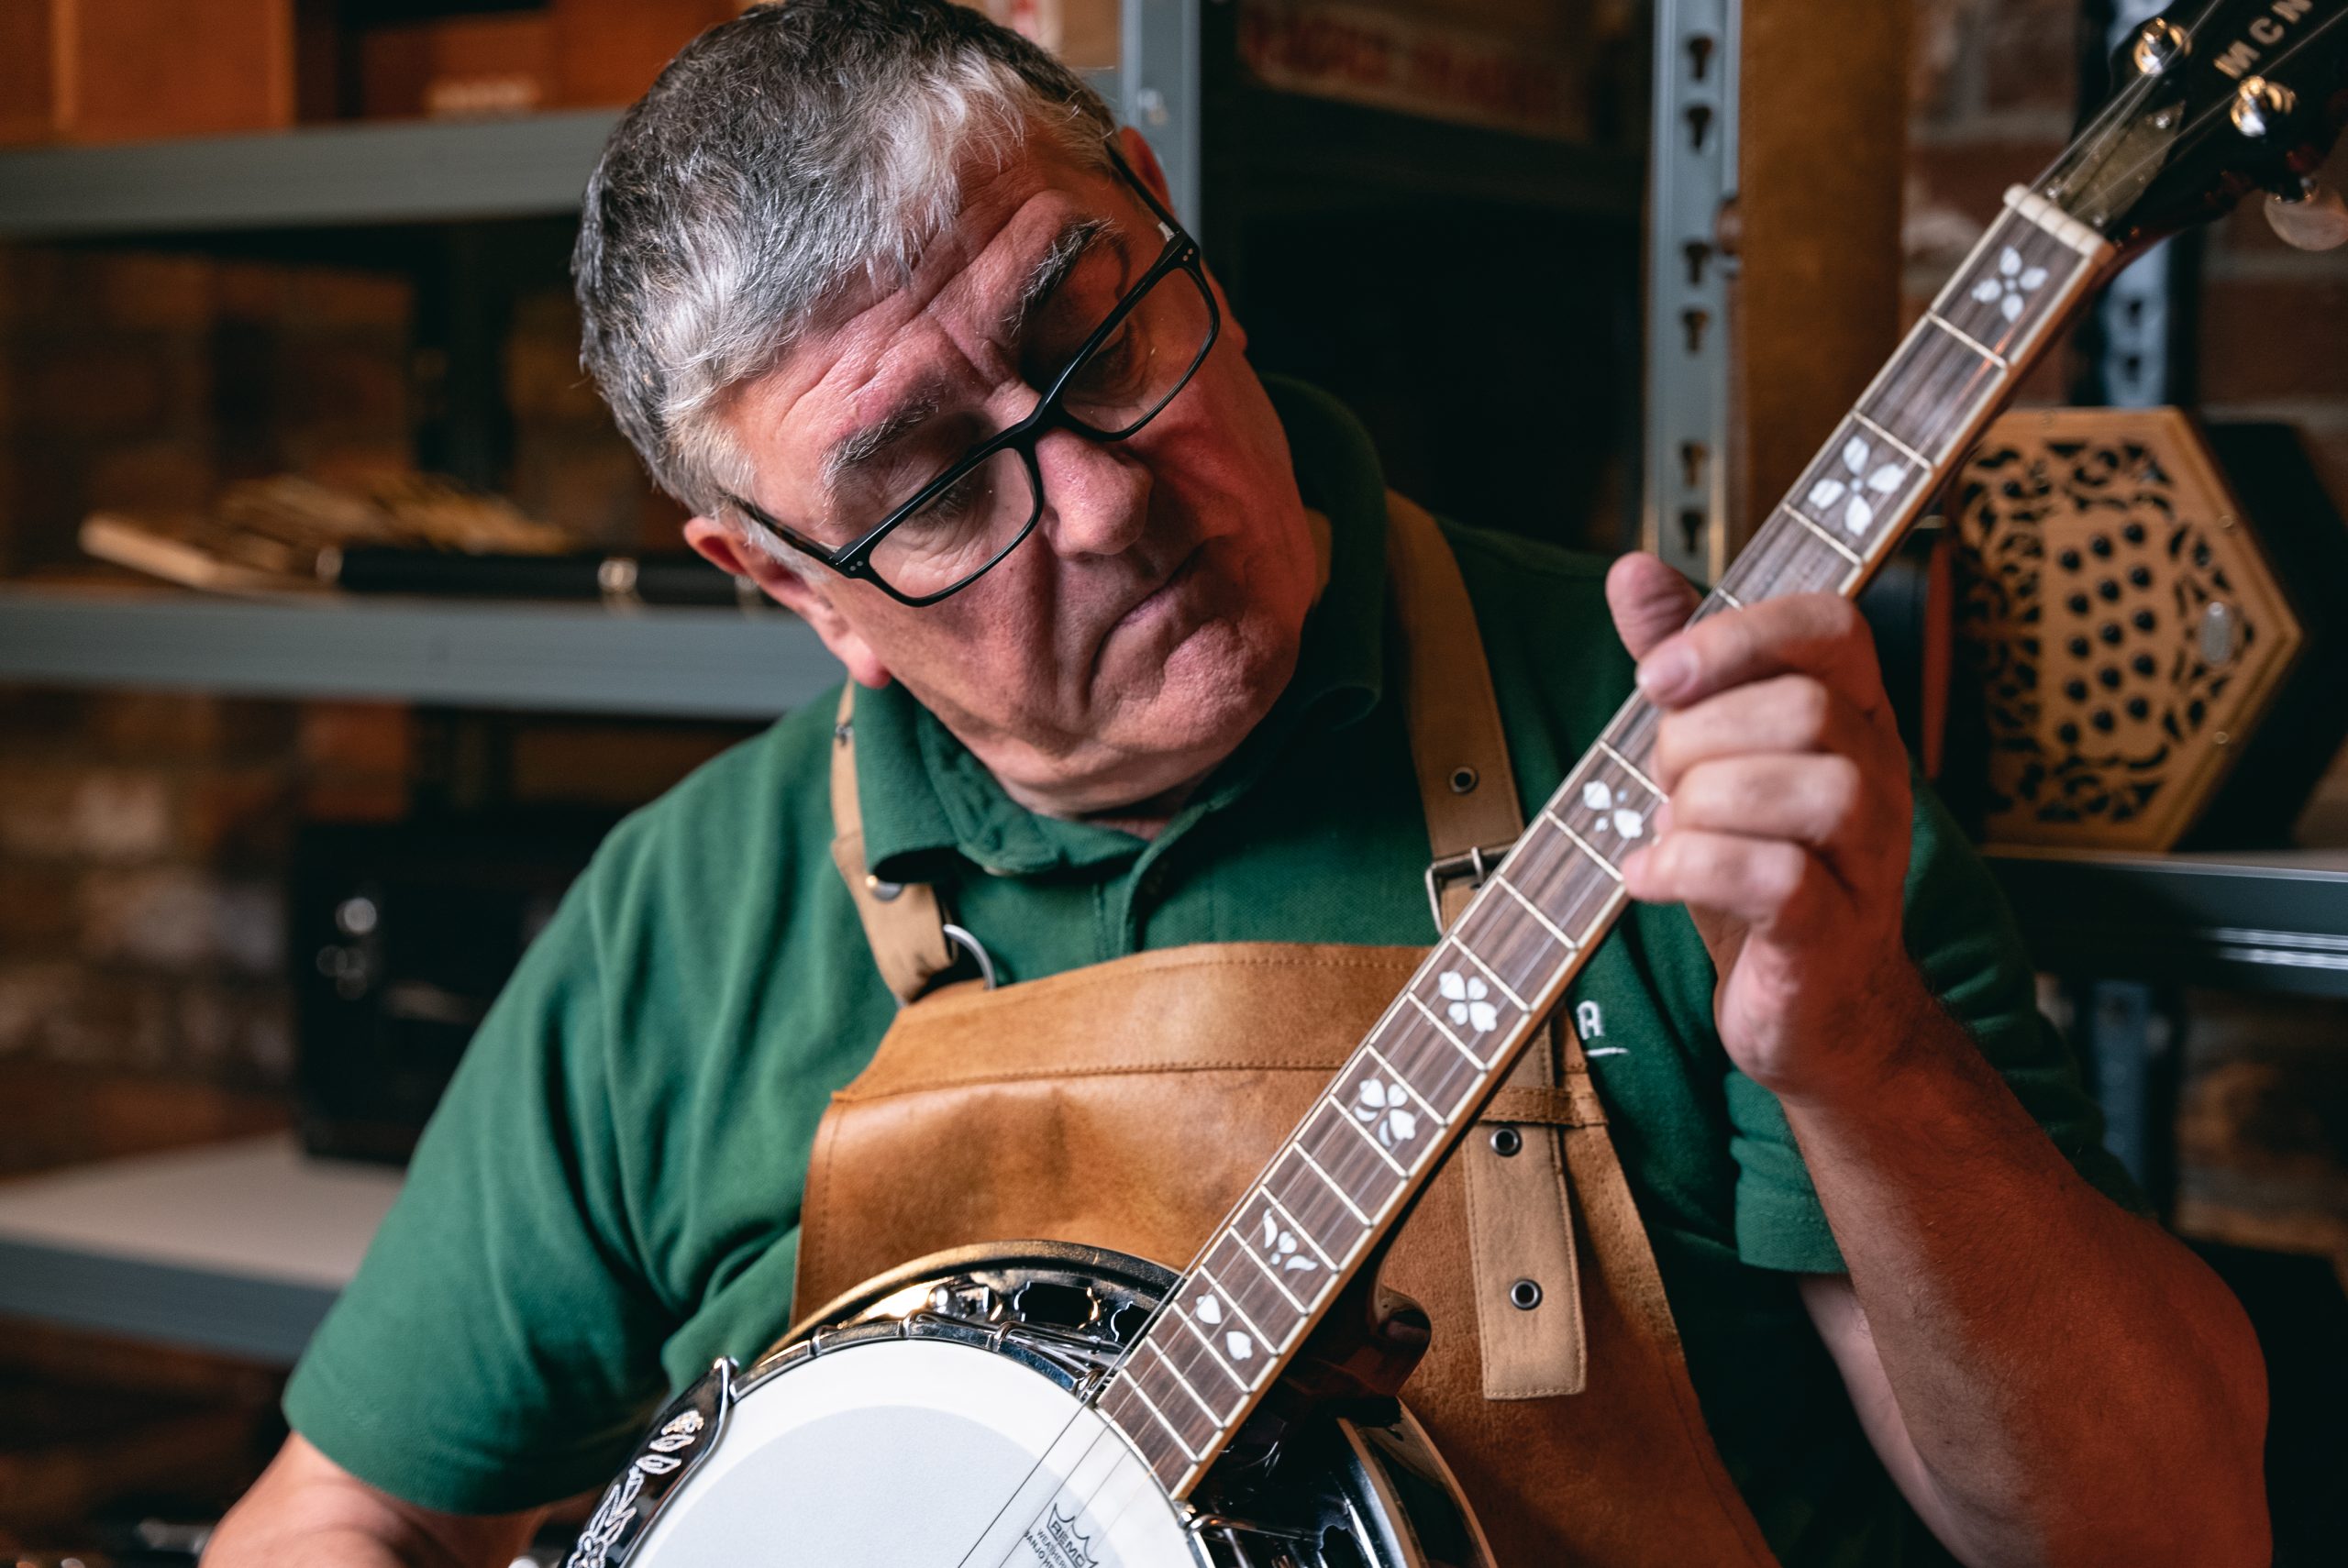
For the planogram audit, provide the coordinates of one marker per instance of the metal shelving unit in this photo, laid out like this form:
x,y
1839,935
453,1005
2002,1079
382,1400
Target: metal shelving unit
x,y
320,176
237,1248
691,663
2273,921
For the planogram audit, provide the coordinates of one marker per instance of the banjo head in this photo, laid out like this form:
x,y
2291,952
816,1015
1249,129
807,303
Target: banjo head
x,y
939,1418
896,1452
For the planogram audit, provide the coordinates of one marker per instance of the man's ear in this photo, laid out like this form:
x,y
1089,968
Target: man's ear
x,y
719,545
1143,163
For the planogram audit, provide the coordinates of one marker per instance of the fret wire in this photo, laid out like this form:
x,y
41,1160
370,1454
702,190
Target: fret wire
x,y
1831,542
1400,1076
1967,273
1615,899
1897,445
1605,864
1968,340
1345,1113
1444,1030
1960,281
1134,1384
1296,1226
1223,1294
1176,1373
1534,910
1296,1147
1269,1272
1462,947
1632,769
1733,601
1206,1344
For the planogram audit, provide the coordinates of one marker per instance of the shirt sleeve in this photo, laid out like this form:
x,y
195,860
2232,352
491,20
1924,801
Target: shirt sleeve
x,y
1963,937
499,1347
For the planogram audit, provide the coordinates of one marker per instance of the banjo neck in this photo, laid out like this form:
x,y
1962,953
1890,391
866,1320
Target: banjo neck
x,y
1323,1207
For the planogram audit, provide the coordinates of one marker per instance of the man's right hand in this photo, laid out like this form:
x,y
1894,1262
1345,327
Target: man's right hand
x,y
306,1509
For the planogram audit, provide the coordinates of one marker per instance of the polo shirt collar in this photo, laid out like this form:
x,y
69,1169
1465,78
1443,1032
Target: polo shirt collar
x,y
923,793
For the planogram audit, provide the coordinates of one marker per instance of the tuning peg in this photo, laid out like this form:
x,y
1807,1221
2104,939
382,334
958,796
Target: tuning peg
x,y
2316,220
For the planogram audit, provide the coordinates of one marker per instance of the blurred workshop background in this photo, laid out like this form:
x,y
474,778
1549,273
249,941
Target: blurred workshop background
x,y
337,621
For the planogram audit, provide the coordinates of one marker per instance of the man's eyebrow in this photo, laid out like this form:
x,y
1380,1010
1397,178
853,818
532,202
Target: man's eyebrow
x,y
862,446
1051,270
1068,247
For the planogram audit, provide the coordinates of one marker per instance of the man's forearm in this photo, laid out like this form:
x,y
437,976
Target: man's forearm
x,y
2077,1385
308,1510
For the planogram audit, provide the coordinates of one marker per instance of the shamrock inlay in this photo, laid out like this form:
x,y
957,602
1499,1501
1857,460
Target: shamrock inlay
x,y
2013,285
1602,800
1466,994
1279,1246
1240,1346
1382,1107
1868,474
1208,1310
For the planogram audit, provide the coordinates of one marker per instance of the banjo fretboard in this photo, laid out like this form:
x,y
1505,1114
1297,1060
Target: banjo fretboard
x,y
1435,1058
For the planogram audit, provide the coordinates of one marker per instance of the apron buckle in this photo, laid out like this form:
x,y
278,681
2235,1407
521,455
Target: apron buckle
x,y
1473,868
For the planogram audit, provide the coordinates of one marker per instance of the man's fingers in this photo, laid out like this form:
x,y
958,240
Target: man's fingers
x,y
1767,883
1650,600
1787,713
1809,633
1810,800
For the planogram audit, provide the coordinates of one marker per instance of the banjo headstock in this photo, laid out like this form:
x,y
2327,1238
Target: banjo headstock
x,y
2215,99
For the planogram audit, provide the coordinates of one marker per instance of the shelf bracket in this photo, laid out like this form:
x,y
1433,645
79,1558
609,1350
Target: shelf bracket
x,y
1684,512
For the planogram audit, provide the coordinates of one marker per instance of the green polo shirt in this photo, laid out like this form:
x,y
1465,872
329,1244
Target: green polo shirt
x,y
609,1195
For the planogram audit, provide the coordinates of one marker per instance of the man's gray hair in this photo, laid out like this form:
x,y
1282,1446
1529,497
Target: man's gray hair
x,y
780,157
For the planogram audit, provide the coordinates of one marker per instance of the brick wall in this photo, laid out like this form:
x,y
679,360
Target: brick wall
x,y
144,838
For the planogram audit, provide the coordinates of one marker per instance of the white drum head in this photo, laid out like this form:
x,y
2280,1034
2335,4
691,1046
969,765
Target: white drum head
x,y
908,1453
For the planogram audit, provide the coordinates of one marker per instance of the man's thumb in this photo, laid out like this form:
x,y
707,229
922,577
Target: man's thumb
x,y
1650,600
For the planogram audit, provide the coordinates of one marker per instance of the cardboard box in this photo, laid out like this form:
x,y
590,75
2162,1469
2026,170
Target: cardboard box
x,y
608,51
457,67
94,71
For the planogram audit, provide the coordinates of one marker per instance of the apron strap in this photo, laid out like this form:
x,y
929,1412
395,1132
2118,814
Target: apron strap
x,y
1533,1341
1518,1211
903,922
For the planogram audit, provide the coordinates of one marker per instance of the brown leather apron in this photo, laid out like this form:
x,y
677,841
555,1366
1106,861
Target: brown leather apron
x,y
1129,1104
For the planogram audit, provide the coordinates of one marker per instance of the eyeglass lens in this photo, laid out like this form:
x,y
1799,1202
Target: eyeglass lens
x,y
1120,386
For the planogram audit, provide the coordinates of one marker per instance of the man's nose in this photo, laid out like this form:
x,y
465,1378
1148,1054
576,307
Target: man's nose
x,y
1096,494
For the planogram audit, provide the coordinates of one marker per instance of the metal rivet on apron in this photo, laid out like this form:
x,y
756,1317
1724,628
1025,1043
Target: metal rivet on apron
x,y
1506,1140
1463,780
1525,1295
884,891
843,733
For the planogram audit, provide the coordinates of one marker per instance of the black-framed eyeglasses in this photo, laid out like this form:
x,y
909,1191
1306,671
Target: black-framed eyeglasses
x,y
958,519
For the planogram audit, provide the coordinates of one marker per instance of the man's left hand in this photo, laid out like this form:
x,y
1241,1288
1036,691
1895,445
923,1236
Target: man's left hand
x,y
1787,825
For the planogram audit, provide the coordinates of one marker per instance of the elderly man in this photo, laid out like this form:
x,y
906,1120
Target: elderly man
x,y
882,291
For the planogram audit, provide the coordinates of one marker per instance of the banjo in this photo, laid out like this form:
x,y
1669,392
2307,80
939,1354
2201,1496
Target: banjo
x,y
1042,1404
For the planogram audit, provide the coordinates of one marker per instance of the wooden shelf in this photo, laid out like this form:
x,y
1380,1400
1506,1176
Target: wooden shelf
x,y
239,1248
721,664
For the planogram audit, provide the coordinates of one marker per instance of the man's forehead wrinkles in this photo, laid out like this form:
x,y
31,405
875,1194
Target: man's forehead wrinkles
x,y
1017,263
1077,236
859,445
